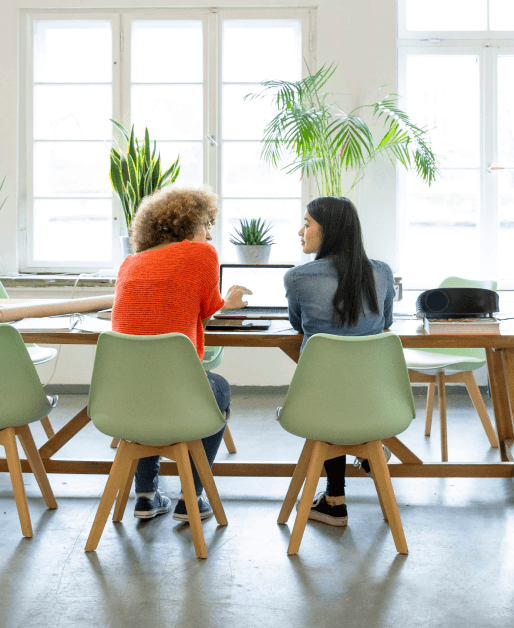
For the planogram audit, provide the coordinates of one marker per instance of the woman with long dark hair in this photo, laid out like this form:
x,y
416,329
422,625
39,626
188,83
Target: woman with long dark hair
x,y
341,292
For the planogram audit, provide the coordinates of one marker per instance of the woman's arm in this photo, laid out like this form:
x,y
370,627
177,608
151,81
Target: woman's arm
x,y
293,305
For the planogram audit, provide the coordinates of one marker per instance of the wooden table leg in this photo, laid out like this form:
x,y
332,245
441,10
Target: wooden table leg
x,y
508,368
65,434
499,374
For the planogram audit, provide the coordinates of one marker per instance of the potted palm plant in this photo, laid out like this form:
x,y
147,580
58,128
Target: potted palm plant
x,y
325,140
253,244
136,173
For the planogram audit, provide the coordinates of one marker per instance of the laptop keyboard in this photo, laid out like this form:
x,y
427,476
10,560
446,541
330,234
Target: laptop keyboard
x,y
262,311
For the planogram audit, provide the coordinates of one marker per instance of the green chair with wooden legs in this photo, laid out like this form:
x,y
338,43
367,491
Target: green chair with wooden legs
x,y
347,395
38,355
22,401
442,366
151,393
212,358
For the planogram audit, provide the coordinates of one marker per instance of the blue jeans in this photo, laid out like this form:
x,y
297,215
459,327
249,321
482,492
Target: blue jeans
x,y
147,473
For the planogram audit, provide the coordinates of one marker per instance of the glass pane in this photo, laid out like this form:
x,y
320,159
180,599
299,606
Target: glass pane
x,y
73,230
443,96
259,50
71,169
191,160
244,119
505,111
501,15
245,175
442,232
72,112
72,51
167,51
171,112
506,216
283,215
446,15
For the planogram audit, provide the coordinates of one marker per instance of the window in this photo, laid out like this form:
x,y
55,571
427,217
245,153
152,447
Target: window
x,y
181,73
458,86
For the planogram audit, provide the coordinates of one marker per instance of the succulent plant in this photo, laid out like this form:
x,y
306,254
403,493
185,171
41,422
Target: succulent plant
x,y
252,232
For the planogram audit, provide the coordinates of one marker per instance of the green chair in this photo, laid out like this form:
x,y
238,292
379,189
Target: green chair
x,y
212,358
38,355
151,393
23,401
440,366
346,396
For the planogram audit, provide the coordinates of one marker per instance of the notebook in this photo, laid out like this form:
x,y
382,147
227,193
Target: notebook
x,y
267,284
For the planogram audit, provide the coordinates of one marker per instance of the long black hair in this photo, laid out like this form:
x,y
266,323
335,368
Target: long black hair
x,y
342,243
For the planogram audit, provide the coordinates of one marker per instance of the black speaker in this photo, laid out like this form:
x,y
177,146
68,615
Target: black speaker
x,y
457,303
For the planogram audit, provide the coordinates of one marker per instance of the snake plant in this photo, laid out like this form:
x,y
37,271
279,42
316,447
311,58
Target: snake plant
x,y
324,140
252,232
136,173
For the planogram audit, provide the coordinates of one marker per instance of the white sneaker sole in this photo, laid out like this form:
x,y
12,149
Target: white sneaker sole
x,y
340,522
150,514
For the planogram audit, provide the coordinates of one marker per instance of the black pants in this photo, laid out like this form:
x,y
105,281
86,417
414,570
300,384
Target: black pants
x,y
335,469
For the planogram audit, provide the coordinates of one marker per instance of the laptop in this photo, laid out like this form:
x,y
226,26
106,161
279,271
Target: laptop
x,y
267,284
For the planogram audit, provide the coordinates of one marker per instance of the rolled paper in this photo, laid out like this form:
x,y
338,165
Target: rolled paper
x,y
72,306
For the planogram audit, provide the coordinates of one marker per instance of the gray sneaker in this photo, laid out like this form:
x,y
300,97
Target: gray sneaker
x,y
180,513
149,508
362,463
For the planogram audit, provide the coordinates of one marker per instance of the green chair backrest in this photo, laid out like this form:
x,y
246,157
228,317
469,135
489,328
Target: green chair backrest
x,y
3,293
22,398
459,282
349,390
151,390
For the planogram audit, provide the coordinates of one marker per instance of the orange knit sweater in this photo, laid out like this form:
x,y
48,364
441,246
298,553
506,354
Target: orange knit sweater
x,y
168,290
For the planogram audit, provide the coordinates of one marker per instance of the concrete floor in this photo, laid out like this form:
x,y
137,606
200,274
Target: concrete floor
x,y
459,573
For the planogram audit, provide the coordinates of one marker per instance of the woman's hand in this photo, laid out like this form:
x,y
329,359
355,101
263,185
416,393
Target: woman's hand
x,y
234,298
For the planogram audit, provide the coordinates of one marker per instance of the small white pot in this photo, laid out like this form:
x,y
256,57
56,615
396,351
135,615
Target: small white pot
x,y
253,253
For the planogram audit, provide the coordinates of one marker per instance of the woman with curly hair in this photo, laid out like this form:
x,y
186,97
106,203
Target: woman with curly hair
x,y
171,284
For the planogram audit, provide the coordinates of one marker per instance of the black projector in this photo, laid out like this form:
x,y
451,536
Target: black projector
x,y
457,303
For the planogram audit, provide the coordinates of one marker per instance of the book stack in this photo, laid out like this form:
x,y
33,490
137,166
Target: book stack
x,y
488,325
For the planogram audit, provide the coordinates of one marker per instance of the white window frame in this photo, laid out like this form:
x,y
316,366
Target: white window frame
x,y
121,21
439,36
487,50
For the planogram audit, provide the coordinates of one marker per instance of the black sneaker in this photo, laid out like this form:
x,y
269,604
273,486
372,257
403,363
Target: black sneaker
x,y
180,513
333,515
361,463
148,508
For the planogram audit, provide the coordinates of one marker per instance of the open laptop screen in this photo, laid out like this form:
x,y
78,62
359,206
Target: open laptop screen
x,y
266,283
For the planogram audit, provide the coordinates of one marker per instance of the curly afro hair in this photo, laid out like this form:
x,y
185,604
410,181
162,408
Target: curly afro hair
x,y
171,214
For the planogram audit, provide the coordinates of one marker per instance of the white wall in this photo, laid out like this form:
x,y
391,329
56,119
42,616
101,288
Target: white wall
x,y
359,36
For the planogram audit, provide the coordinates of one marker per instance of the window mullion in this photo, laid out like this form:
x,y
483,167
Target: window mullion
x,y
212,146
489,231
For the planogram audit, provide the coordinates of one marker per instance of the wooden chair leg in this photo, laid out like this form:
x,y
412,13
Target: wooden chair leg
x,y
181,454
30,449
197,451
478,402
442,415
385,490
117,478
430,408
8,440
48,427
124,492
318,457
297,481
229,441
114,443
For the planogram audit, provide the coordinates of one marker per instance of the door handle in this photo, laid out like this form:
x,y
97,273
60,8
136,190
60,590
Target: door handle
x,y
491,168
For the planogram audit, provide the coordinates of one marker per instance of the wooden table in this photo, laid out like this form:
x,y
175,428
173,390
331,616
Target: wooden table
x,y
500,362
